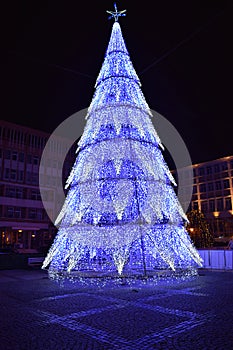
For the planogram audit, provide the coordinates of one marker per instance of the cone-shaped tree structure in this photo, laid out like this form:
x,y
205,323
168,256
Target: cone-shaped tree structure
x,y
199,229
121,212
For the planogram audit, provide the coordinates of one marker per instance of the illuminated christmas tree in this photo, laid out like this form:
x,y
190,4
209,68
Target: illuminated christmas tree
x,y
199,229
121,214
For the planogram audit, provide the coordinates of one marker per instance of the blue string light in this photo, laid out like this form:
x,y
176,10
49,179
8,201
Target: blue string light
x,y
121,212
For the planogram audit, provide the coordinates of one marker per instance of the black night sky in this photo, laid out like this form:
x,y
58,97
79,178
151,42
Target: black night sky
x,y
181,50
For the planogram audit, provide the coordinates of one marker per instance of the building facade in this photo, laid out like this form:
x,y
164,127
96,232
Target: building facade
x,y
24,222
213,193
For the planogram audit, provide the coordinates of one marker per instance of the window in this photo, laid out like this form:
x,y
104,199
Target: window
x,y
210,186
10,192
29,177
204,206
39,214
203,188
195,205
35,195
23,213
194,189
35,141
10,212
218,185
216,168
13,174
14,155
7,173
21,157
7,154
32,213
19,193
201,171
228,205
209,170
226,183
220,204
35,179
21,175
29,159
224,166
35,160
32,140
17,213
211,205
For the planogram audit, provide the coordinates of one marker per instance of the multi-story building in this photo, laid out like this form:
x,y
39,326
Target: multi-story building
x,y
24,223
213,193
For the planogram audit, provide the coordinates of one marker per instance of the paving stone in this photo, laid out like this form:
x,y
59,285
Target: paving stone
x,y
37,313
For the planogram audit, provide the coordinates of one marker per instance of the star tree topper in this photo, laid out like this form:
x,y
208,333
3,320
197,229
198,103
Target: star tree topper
x,y
116,14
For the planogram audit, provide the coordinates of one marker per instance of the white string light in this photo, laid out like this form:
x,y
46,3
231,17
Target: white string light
x,y
121,212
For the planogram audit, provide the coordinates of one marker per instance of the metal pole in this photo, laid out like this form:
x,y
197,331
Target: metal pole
x,y
143,255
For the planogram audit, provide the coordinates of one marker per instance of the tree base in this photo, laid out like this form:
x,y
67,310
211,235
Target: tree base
x,y
132,277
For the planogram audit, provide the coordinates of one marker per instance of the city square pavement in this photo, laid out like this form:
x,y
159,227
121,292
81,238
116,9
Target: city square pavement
x,y
37,313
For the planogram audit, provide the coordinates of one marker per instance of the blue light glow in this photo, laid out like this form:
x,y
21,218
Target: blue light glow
x,y
121,212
